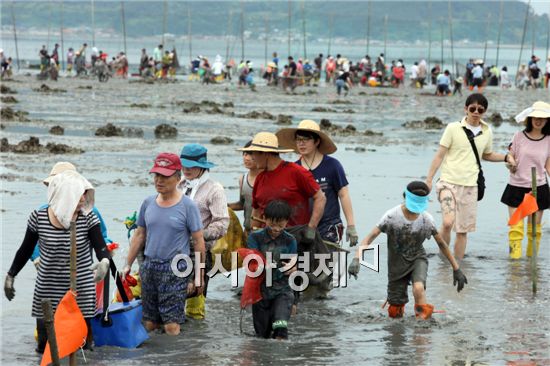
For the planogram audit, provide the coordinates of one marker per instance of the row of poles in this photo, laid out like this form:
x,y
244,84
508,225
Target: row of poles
x,y
304,31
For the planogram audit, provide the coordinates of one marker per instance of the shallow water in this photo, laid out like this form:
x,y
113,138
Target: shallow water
x,y
494,321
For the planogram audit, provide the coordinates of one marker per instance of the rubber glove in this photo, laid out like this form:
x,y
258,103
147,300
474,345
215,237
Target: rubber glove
x,y
458,277
354,267
9,290
101,269
351,235
309,235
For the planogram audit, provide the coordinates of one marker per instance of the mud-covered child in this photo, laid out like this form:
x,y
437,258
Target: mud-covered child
x,y
271,314
407,226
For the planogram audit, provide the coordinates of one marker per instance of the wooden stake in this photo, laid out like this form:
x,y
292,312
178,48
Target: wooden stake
x,y
533,39
304,29
123,27
49,24
189,34
442,44
289,25
486,37
266,39
15,34
429,34
368,25
330,33
242,31
62,42
93,22
451,39
534,232
499,30
50,330
164,16
228,35
385,37
523,35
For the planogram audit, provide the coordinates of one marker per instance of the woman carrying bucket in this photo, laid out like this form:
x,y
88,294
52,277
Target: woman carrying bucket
x,y
530,148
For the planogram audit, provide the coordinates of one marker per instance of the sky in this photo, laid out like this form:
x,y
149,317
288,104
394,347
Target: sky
x,y
540,6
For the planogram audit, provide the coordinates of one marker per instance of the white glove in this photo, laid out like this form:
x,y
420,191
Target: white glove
x,y
101,269
36,262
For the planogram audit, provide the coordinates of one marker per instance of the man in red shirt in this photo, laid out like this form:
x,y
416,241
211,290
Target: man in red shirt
x,y
283,180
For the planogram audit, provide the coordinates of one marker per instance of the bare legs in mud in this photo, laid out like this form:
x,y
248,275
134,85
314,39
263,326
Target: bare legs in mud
x,y
448,209
170,328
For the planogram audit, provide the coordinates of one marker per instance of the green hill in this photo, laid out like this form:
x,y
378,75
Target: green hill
x,y
407,20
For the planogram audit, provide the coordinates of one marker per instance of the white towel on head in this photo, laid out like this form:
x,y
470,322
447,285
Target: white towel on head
x,y
64,192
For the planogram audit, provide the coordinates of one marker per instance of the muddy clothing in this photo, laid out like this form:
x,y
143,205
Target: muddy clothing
x,y
270,317
331,178
273,311
288,182
283,244
246,199
407,259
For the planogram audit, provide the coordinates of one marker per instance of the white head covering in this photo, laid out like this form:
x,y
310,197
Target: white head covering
x,y
538,109
64,192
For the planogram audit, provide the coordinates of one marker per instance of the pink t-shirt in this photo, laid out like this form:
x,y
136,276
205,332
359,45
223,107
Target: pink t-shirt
x,y
529,153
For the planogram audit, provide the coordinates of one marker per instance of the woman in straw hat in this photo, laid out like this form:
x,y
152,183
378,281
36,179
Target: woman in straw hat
x,y
530,148
314,147
286,181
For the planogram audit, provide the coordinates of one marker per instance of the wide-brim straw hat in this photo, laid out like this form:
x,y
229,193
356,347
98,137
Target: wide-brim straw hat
x,y
287,137
538,110
265,142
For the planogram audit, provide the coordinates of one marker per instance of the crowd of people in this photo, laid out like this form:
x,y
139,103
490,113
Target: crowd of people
x,y
288,206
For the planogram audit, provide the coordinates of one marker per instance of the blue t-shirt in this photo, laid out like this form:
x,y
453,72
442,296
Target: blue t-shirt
x,y
168,229
477,72
331,177
443,79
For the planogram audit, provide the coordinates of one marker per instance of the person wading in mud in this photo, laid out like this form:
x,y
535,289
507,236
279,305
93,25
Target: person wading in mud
x,y
457,187
314,147
282,180
407,226
166,223
246,184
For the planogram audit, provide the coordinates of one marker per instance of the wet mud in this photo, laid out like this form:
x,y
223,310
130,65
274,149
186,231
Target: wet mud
x,y
495,320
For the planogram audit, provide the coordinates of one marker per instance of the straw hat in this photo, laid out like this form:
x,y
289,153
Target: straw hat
x,y
538,110
287,136
58,168
265,142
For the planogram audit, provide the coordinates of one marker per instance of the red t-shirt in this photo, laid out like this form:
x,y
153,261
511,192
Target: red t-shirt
x,y
288,182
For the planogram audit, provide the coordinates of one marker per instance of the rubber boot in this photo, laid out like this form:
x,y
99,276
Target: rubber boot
x,y
538,232
423,311
396,311
515,237
42,335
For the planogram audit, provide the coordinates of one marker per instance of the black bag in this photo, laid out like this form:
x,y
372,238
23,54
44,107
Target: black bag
x,y
480,177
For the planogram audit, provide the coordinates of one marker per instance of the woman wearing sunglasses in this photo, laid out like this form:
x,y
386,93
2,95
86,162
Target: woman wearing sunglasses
x,y
457,187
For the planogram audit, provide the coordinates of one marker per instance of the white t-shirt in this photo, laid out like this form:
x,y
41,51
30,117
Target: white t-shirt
x,y
414,71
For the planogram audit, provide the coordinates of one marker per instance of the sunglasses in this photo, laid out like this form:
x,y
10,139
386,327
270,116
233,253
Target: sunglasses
x,y
479,109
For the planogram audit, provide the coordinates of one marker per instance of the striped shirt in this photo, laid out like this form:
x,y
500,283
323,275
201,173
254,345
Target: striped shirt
x,y
53,279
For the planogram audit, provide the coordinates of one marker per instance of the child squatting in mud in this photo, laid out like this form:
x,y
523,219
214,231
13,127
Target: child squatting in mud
x,y
407,226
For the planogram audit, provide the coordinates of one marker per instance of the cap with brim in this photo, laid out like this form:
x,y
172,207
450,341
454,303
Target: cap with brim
x,y
538,110
287,137
166,164
414,203
265,142
59,168
194,155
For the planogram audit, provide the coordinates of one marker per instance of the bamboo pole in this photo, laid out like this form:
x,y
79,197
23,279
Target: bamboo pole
x,y
123,27
62,41
93,22
228,35
385,37
534,232
330,33
50,330
72,357
499,30
189,31
289,24
548,40
523,35
486,37
368,25
242,31
451,39
15,34
164,15
304,29
429,34
49,24
533,27
442,33
266,39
